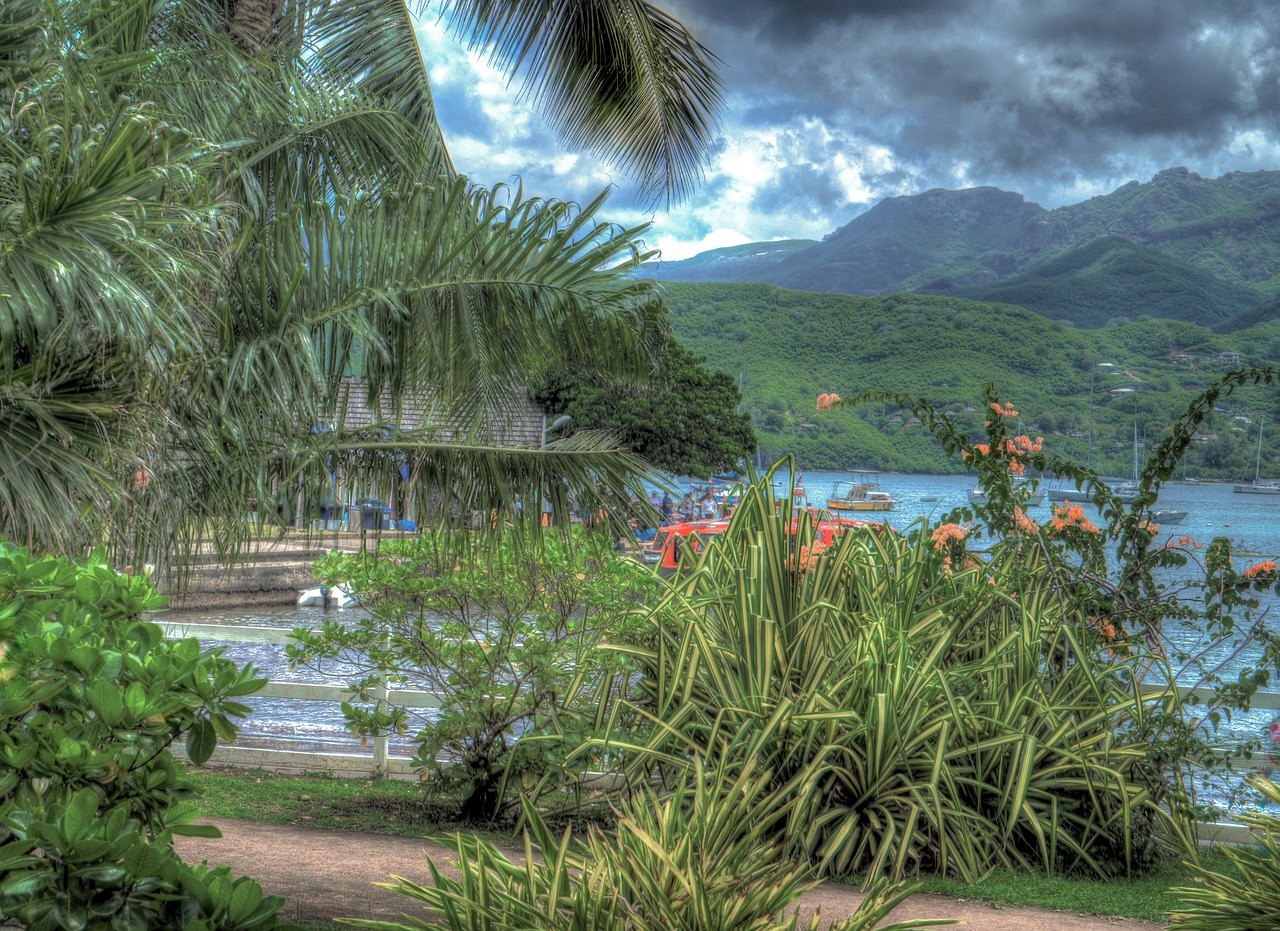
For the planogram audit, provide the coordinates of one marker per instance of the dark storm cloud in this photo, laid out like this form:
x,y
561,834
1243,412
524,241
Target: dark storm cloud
x,y
801,190
1030,95
804,20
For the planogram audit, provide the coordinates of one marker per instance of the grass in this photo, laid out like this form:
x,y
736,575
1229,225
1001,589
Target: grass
x,y
392,806
1147,897
317,800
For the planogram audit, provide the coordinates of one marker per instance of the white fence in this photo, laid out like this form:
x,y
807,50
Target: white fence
x,y
380,763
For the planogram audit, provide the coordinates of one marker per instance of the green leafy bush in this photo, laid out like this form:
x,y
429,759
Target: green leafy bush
x,y
699,859
506,632
1248,902
91,700
918,709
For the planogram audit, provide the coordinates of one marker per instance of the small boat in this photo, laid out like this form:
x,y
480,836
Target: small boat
x,y
1126,491
861,494
339,596
1256,487
1168,517
978,495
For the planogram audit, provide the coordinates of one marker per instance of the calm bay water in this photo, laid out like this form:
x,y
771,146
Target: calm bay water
x,y
1252,522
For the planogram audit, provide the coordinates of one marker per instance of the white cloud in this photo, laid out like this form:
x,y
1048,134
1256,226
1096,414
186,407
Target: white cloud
x,y
674,249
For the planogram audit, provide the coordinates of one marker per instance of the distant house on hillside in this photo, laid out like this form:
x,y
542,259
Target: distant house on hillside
x,y
1229,358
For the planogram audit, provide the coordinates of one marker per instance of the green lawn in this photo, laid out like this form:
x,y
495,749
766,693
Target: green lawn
x,y
373,806
393,806
1147,897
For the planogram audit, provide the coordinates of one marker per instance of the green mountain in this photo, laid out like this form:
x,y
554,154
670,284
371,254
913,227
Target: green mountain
x,y
1110,279
787,347
904,237
1180,246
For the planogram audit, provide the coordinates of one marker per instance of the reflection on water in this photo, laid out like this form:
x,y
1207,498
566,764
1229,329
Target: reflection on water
x,y
1250,521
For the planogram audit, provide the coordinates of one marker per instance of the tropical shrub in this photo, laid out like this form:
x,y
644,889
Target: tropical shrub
x,y
506,631
1135,588
92,698
699,859
919,710
1248,901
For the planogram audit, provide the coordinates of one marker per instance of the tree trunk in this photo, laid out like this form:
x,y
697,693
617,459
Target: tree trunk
x,y
482,804
253,24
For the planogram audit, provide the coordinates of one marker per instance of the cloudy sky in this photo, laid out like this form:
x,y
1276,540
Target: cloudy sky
x,y
832,105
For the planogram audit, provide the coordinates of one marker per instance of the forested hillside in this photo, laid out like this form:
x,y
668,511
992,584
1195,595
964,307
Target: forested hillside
x,y
1179,246
786,347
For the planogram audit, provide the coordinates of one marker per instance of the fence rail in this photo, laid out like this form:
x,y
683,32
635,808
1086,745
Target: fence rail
x,y
380,763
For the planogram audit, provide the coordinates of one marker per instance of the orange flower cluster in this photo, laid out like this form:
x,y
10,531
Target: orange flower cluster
x,y
808,558
1004,410
1026,446
946,533
1023,523
1016,450
826,400
1267,567
1068,515
1149,527
1103,626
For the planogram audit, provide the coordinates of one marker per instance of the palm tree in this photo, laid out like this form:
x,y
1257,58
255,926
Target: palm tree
x,y
216,209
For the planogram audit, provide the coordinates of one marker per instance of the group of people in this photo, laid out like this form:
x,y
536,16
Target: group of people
x,y
691,506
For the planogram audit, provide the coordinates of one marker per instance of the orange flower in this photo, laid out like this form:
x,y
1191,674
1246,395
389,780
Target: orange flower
x,y
1004,410
1266,567
1067,516
1024,523
1149,527
826,400
945,533
808,558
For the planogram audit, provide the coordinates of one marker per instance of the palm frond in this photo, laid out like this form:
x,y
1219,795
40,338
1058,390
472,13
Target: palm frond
x,y
620,77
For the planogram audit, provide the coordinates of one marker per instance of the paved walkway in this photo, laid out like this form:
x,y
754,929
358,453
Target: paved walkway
x,y
326,874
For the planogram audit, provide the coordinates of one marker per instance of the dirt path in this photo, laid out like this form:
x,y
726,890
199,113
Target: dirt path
x,y
325,874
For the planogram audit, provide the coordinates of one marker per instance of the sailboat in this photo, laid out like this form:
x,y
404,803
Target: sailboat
x,y
1258,488
1058,495
1126,491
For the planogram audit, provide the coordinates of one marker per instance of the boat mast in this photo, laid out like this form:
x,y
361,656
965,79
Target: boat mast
x,y
1257,468
1088,460
1135,444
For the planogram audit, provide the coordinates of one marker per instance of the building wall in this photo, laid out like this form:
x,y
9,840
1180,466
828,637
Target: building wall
x,y
523,428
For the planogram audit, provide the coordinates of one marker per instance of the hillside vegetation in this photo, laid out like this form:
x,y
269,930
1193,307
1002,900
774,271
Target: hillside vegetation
x,y
1179,246
786,347
1112,278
